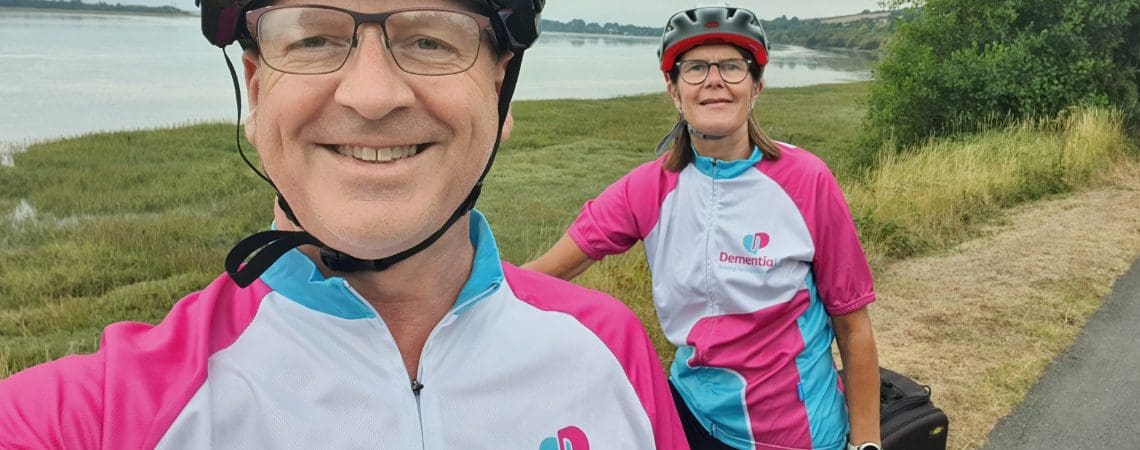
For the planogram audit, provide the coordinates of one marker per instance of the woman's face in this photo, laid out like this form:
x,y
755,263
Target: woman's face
x,y
714,106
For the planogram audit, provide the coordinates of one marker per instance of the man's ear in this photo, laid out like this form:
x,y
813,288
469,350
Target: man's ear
x,y
251,62
501,70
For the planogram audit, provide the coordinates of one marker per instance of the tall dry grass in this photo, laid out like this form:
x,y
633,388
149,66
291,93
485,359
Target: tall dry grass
x,y
931,198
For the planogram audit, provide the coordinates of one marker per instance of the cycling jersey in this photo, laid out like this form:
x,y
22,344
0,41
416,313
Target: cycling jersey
x,y
748,258
522,361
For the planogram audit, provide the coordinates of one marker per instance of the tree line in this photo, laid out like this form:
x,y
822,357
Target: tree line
x,y
77,5
962,66
863,34
581,26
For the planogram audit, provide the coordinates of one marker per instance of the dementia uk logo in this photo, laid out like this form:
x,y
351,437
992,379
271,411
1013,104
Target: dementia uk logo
x,y
752,243
569,438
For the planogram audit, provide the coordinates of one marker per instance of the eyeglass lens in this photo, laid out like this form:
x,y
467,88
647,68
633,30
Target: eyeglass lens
x,y
314,40
695,71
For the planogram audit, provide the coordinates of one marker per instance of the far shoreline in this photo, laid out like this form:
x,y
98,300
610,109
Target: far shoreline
x,y
63,11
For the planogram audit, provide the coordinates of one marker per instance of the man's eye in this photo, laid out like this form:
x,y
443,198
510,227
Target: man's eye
x,y
311,42
428,44
733,66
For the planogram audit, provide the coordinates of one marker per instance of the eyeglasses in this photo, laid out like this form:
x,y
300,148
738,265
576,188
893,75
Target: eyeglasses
x,y
316,39
732,71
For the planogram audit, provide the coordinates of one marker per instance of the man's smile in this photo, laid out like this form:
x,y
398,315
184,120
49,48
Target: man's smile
x,y
378,155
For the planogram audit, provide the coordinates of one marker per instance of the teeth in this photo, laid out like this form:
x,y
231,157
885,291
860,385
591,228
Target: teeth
x,y
377,155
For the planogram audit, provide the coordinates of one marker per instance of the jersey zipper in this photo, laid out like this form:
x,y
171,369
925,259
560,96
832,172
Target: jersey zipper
x,y
417,387
713,308
416,384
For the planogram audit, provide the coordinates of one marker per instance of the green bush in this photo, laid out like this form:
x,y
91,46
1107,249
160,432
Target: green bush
x,y
967,65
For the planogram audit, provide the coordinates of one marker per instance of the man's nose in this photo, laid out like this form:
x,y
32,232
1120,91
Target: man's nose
x,y
371,82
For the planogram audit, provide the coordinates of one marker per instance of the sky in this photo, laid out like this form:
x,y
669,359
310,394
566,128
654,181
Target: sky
x,y
646,13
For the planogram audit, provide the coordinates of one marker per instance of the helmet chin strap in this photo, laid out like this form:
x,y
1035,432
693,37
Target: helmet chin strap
x,y
697,133
703,136
262,249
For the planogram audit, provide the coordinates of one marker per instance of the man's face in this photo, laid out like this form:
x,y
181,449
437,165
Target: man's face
x,y
315,133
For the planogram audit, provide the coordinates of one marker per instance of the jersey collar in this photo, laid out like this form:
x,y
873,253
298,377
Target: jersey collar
x,y
296,277
723,170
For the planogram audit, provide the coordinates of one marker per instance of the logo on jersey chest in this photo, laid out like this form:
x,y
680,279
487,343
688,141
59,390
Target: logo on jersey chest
x,y
755,242
569,438
752,244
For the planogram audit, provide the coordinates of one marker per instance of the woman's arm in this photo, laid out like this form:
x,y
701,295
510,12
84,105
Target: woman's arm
x,y
564,260
861,365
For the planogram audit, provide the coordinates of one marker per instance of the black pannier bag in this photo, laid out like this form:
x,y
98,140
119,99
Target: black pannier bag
x,y
908,418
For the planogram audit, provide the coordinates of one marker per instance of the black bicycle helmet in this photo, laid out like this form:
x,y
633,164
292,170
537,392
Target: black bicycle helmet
x,y
712,25
517,27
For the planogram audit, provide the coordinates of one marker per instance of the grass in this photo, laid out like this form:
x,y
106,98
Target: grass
x,y
930,199
126,223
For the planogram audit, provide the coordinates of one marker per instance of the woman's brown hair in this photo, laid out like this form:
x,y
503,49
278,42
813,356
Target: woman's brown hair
x,y
681,153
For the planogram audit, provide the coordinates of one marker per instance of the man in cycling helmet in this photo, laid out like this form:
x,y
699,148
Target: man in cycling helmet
x,y
376,313
756,265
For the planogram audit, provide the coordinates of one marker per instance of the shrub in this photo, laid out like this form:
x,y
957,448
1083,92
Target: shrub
x,y
968,65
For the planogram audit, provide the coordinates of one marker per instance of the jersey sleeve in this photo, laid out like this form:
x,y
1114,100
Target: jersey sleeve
x,y
624,213
53,406
840,267
126,394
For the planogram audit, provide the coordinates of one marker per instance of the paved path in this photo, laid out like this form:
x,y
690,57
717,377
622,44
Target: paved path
x,y
1089,398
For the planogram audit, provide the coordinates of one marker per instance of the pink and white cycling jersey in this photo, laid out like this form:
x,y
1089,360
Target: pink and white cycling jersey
x,y
749,258
522,361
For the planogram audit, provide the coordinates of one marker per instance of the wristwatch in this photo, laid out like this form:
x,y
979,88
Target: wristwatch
x,y
864,446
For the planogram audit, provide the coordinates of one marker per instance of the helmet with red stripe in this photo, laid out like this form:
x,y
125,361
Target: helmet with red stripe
x,y
712,25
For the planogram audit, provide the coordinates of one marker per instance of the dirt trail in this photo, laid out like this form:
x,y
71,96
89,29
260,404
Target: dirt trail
x,y
980,323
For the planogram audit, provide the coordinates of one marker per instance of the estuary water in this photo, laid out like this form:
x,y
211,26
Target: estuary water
x,y
65,74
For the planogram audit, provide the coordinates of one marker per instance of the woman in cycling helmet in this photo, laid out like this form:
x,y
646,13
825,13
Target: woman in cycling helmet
x,y
755,261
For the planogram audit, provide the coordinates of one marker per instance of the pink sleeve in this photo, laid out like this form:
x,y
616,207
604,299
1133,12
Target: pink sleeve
x,y
624,213
621,331
42,409
128,393
839,267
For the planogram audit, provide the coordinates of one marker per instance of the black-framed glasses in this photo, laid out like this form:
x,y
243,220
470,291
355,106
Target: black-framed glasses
x,y
316,39
732,71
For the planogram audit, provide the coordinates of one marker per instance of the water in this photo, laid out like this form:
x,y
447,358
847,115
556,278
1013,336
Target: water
x,y
9,150
565,65
64,74
24,212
